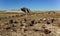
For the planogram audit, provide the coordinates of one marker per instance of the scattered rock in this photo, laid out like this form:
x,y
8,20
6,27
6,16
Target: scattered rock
x,y
52,20
14,25
14,29
10,21
21,25
32,23
15,22
0,18
46,31
25,20
13,16
48,22
39,22
7,28
36,30
17,15
25,30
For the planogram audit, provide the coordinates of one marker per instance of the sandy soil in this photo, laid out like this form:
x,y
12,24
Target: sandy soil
x,y
33,24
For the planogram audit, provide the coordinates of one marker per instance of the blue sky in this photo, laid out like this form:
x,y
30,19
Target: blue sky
x,y
32,4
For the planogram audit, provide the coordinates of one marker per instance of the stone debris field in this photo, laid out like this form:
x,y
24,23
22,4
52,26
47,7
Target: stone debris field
x,y
33,24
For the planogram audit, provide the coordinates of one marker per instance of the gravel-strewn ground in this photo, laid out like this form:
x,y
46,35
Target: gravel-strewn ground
x,y
33,24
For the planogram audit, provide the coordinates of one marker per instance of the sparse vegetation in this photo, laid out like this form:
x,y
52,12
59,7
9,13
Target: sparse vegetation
x,y
35,23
